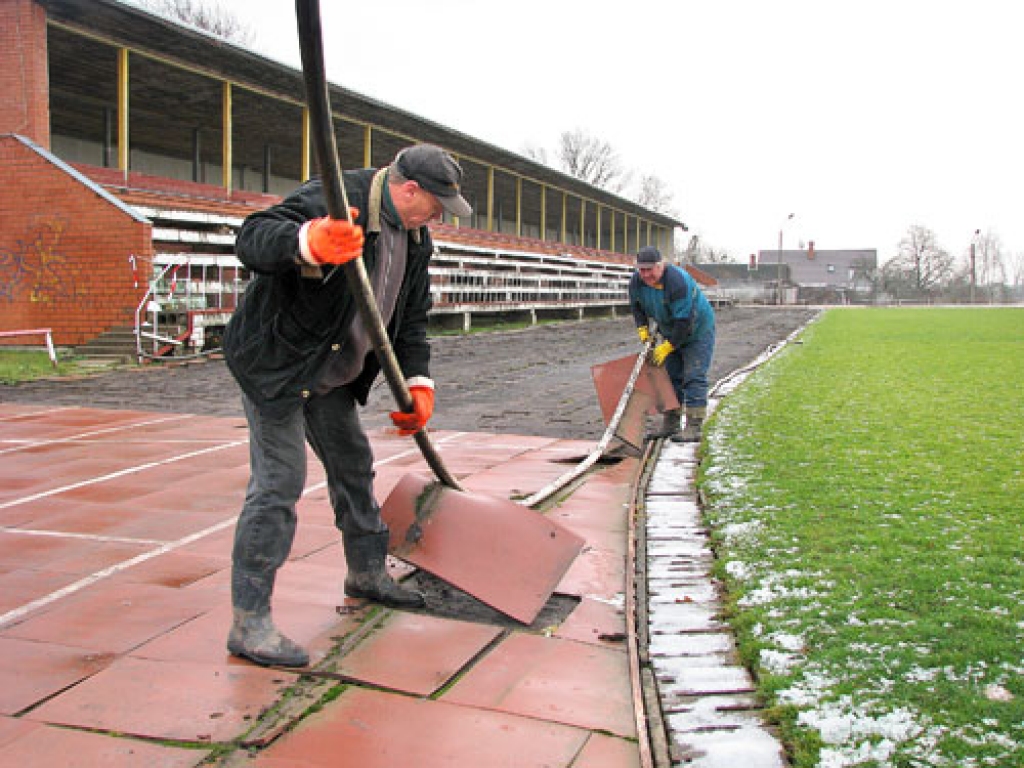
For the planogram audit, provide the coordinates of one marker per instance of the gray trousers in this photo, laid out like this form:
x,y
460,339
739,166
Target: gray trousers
x,y
277,459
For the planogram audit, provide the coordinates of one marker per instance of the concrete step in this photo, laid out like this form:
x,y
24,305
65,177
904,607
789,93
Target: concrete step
x,y
118,342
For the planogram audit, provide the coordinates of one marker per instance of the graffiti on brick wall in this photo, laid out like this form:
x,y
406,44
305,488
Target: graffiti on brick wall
x,y
37,267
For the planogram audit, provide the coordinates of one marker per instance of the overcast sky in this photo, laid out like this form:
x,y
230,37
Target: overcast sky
x,y
861,118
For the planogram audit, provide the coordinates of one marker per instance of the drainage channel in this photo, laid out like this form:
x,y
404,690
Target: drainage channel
x,y
698,702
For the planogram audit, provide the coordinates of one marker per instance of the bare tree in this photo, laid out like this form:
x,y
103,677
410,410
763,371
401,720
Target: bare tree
x,y
709,254
655,195
1015,272
921,264
989,267
535,152
206,15
592,160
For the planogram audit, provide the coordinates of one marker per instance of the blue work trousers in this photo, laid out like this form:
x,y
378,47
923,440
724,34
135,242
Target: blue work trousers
x,y
687,368
277,459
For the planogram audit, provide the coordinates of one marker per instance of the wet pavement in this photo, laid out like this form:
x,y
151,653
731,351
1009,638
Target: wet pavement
x,y
115,538
115,531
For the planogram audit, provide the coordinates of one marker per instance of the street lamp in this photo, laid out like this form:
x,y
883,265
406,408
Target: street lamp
x,y
778,262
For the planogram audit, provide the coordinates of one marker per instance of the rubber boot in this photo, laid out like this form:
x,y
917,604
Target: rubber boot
x,y
253,635
694,426
669,424
368,577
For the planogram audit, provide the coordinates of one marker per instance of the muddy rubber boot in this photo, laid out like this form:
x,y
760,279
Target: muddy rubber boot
x,y
253,635
669,424
368,578
694,426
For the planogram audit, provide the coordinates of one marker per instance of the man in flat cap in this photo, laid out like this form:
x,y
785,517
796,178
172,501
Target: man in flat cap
x,y
684,319
304,360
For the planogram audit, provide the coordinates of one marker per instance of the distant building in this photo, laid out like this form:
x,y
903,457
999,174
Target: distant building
x,y
806,276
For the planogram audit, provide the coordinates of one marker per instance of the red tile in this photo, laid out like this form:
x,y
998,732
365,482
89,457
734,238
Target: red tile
x,y
595,573
551,679
372,729
480,543
169,700
603,751
596,621
35,671
19,550
21,586
88,557
63,748
303,582
111,618
203,639
422,652
11,729
171,569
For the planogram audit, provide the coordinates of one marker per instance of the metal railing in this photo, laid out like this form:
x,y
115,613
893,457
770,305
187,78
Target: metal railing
x,y
193,293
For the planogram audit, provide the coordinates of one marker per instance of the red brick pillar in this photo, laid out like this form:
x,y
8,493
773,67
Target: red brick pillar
x,y
24,88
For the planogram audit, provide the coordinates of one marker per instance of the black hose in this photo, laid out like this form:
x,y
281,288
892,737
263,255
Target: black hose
x,y
322,130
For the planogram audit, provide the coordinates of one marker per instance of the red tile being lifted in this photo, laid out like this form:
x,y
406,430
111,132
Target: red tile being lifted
x,y
652,393
504,554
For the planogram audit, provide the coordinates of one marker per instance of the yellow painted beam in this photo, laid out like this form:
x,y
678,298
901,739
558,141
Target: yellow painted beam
x,y
519,206
543,212
122,110
583,222
490,198
226,127
565,208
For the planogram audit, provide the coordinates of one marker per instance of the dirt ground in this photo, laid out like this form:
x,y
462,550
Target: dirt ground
x,y
535,381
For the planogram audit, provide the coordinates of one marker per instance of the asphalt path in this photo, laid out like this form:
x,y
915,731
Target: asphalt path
x,y
533,381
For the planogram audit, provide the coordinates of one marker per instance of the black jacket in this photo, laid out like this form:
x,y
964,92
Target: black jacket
x,y
287,325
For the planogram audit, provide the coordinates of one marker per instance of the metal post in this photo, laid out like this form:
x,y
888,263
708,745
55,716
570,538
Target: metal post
x,y
778,263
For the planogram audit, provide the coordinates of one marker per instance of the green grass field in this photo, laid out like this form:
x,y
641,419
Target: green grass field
x,y
25,365
866,495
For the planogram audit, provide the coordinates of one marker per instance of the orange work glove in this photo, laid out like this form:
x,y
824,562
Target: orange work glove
x,y
422,392
660,352
331,241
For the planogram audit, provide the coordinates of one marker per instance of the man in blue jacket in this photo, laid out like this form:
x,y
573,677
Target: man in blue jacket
x,y
303,359
683,317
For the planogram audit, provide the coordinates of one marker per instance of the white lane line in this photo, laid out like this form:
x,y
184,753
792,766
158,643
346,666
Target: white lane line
x,y
70,589
119,473
17,613
32,414
76,535
25,444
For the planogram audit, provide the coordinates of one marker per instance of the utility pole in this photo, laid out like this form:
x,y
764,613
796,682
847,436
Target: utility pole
x,y
778,262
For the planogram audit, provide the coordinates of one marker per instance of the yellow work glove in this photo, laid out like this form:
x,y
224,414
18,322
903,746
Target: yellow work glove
x,y
661,352
644,334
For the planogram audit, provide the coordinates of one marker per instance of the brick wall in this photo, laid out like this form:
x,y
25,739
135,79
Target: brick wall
x,y
66,249
24,86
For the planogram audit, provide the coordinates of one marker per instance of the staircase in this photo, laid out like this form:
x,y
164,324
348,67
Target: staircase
x,y
114,347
